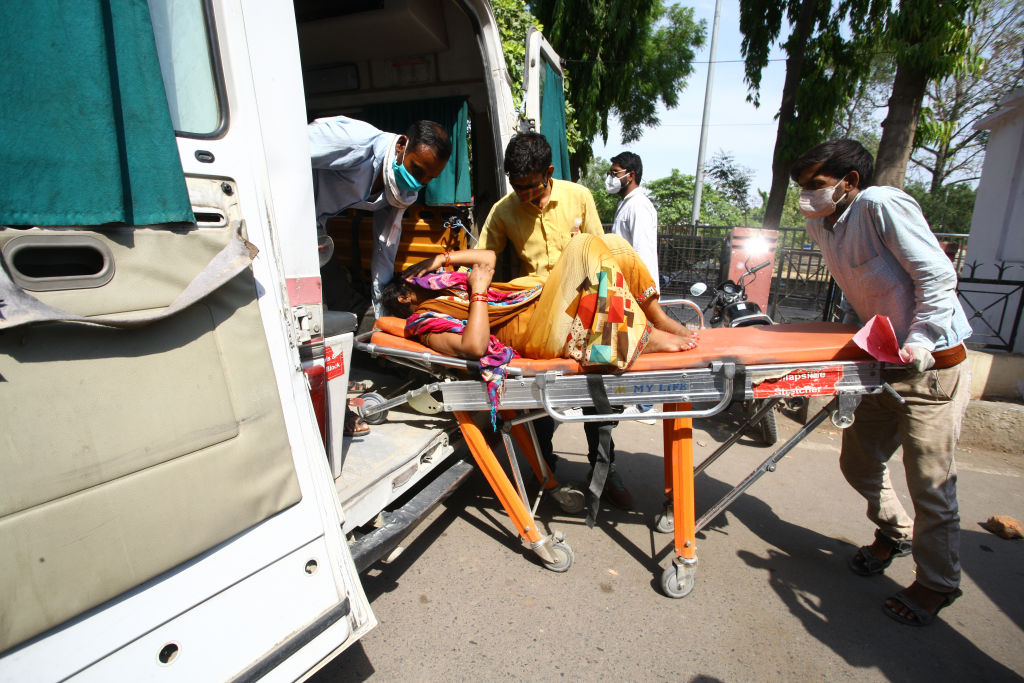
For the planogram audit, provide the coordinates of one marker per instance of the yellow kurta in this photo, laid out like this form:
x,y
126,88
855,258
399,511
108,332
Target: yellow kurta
x,y
539,236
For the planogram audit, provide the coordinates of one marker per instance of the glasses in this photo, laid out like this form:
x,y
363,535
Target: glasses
x,y
615,174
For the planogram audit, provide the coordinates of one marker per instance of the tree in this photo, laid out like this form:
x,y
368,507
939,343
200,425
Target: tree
x,y
623,57
948,208
947,147
732,180
828,53
673,198
791,216
514,22
931,39
593,180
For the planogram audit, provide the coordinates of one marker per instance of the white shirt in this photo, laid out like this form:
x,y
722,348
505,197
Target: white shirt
x,y
346,156
636,221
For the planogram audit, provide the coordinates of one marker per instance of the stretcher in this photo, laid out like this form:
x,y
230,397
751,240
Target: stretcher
x,y
730,364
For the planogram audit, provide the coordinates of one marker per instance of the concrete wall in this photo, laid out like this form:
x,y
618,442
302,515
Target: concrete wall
x,y
997,226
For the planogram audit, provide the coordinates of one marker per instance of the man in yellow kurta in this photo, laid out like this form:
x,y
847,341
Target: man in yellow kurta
x,y
539,217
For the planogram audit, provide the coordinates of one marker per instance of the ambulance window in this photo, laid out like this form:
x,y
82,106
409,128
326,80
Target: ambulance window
x,y
183,46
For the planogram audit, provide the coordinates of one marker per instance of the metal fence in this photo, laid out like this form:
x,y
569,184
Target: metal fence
x,y
803,289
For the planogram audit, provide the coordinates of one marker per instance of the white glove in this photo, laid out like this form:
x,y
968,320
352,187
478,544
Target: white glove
x,y
917,356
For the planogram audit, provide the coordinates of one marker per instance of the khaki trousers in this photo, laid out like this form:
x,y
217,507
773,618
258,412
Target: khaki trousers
x,y
928,427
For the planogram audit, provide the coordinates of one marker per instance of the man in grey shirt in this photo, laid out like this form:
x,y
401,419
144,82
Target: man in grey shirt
x,y
885,258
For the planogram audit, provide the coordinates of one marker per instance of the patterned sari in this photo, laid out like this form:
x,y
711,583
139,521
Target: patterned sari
x,y
588,309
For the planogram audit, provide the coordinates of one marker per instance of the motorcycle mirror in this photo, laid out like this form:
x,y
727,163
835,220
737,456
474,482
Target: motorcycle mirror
x,y
698,288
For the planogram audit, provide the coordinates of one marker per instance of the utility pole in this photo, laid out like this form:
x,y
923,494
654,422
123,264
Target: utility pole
x,y
698,184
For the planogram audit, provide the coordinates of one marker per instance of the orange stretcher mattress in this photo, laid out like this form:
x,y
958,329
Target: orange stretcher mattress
x,y
759,345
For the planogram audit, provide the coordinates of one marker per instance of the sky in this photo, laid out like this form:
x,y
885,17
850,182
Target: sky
x,y
736,126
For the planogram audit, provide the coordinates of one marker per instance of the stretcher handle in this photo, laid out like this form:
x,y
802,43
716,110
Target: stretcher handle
x,y
728,374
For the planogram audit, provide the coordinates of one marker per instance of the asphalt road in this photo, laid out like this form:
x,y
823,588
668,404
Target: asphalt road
x,y
774,599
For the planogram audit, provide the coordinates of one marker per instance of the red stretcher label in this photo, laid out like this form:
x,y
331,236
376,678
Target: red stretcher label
x,y
335,363
816,382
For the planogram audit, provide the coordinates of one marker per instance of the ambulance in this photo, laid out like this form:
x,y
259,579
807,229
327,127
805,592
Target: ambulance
x,y
178,500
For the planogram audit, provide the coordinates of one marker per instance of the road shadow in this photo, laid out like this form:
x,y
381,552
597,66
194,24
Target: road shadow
x,y
843,611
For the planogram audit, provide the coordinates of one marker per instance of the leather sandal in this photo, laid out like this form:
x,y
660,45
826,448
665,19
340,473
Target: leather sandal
x,y
864,563
354,425
921,616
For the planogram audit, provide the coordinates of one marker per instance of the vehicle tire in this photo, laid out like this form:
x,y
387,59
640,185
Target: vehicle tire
x,y
769,428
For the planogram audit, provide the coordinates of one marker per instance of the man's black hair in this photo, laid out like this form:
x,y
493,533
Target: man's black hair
x,y
527,153
431,134
630,162
389,298
837,158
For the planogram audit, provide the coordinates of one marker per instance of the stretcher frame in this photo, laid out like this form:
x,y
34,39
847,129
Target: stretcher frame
x,y
532,392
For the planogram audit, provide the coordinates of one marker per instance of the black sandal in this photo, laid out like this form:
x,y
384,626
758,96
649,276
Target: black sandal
x,y
921,616
864,563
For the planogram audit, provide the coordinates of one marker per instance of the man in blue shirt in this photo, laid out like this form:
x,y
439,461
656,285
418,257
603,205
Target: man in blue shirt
x,y
885,258
358,166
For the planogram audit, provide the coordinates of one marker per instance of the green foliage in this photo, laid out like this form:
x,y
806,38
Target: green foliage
x,y
947,147
593,180
673,198
731,179
934,37
624,57
514,21
948,209
791,216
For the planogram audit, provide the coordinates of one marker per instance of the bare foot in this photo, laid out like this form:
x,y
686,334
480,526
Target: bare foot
x,y
661,320
666,342
929,600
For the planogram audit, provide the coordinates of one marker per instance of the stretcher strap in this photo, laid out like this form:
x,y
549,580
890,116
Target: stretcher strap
x,y
595,386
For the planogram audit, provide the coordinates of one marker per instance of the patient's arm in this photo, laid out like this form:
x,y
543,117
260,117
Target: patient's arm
x,y
463,257
472,343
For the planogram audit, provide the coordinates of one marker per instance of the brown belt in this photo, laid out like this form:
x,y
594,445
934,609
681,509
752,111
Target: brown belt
x,y
947,358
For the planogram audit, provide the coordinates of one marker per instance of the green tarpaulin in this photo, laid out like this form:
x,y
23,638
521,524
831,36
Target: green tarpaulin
x,y
552,121
452,186
85,134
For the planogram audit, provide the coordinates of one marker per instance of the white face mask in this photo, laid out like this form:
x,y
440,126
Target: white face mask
x,y
612,185
819,203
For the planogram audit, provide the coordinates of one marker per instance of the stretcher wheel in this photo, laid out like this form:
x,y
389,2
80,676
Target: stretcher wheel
x,y
664,521
374,399
678,584
563,552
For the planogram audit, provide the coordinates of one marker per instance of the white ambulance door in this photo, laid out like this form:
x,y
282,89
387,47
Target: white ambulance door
x,y
544,98
166,508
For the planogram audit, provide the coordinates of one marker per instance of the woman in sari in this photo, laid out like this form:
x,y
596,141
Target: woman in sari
x,y
598,305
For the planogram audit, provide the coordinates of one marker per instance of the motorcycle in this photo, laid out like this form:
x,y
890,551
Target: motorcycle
x,y
729,307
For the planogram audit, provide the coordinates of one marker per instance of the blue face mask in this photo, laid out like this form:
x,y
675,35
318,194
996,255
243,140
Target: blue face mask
x,y
403,178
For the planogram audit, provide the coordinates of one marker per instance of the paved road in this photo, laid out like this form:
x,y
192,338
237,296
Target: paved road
x,y
774,599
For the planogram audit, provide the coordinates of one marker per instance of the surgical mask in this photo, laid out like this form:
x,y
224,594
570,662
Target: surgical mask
x,y
528,194
405,180
612,184
819,203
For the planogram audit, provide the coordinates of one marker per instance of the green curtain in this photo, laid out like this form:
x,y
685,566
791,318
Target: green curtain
x,y
452,186
552,121
85,133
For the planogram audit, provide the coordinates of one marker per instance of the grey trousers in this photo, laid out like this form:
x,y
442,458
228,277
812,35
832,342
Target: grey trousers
x,y
928,427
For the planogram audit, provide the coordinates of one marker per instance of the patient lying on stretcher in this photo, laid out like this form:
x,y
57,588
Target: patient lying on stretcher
x,y
598,305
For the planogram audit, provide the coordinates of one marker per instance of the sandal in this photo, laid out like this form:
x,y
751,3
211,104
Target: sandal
x,y
354,425
921,616
864,563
